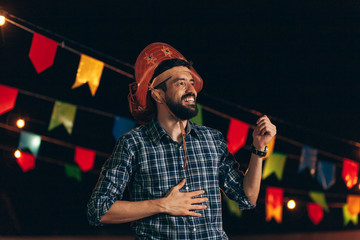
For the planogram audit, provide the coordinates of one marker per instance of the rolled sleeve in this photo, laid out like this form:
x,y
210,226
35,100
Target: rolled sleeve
x,y
114,176
231,178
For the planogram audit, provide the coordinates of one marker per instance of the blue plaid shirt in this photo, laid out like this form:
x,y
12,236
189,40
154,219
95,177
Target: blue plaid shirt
x,y
152,163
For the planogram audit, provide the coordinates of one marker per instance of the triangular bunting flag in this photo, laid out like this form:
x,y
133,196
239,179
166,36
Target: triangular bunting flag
x,y
308,159
271,146
63,113
326,174
198,119
350,172
26,161
348,217
237,135
233,207
121,126
72,171
353,204
8,97
315,213
319,198
42,52
89,71
85,158
30,142
274,203
275,163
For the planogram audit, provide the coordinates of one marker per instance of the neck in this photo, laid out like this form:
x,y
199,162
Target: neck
x,y
171,125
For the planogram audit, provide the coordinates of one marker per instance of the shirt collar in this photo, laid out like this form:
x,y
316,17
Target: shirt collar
x,y
156,132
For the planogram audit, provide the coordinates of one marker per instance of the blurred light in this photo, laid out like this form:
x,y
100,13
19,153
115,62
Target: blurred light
x,y
291,204
17,154
36,142
20,123
2,20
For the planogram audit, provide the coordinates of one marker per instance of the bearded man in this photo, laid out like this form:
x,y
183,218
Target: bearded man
x,y
174,167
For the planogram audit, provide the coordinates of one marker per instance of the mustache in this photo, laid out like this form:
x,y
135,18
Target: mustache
x,y
188,95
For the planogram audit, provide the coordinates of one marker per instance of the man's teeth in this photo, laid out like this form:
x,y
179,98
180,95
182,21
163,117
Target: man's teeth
x,y
189,99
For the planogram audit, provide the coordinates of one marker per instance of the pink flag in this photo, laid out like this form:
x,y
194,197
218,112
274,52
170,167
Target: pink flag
x,y
42,52
85,158
8,97
237,135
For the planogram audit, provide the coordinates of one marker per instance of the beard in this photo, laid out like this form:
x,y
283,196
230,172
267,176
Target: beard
x,y
181,111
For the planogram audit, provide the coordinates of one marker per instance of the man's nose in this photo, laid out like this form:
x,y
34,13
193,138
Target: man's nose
x,y
190,88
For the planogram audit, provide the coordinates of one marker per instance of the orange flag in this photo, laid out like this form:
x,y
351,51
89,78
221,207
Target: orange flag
x,y
271,146
353,204
274,203
237,135
350,172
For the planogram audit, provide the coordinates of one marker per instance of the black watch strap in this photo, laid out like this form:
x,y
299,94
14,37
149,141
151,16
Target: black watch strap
x,y
258,152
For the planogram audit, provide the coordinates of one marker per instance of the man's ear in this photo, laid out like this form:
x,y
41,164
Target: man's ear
x,y
156,95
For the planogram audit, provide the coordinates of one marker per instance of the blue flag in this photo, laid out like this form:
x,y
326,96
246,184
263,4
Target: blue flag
x,y
30,142
308,159
122,125
326,174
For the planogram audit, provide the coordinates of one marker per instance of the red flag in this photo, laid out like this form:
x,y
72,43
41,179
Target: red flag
x,y
42,52
274,203
26,161
8,97
350,172
237,135
85,158
315,212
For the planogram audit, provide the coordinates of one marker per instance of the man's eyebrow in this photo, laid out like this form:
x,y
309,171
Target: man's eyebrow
x,y
181,79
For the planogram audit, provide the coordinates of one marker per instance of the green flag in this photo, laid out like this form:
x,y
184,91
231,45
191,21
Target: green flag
x,y
72,171
275,163
63,113
319,198
233,207
348,217
198,119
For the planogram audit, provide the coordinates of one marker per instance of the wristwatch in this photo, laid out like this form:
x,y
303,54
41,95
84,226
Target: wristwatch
x,y
258,152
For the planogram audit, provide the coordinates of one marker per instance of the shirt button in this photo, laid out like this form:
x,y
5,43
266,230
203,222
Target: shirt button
x,y
187,188
194,229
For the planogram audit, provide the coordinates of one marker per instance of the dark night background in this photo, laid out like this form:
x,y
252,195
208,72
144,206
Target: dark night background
x,y
296,61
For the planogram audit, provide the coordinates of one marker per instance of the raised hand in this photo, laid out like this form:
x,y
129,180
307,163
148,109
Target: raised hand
x,y
183,203
263,132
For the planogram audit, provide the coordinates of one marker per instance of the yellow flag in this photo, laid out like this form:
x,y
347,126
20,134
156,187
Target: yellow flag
x,y
89,71
271,146
275,163
348,217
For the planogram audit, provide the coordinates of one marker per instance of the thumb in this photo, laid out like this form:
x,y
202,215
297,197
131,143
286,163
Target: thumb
x,y
181,184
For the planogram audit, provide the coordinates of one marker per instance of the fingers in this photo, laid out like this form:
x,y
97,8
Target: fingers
x,y
199,200
195,193
264,126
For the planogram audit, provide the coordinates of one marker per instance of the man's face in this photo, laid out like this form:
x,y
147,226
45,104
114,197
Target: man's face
x,y
181,96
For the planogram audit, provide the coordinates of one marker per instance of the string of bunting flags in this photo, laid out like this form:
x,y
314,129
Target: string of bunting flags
x,y
42,54
64,114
